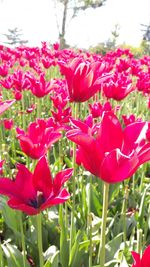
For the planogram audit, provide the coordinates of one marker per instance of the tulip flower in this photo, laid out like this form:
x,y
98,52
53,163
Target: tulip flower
x,y
118,87
143,261
130,119
40,87
4,69
37,191
84,79
38,138
8,124
112,154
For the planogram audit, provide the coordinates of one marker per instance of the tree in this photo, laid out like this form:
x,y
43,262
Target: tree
x,y
14,37
146,38
75,6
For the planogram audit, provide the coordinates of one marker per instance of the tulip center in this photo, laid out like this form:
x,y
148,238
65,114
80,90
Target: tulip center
x,y
36,203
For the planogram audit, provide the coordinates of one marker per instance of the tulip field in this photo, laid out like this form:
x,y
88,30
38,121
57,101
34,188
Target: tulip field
x,y
74,158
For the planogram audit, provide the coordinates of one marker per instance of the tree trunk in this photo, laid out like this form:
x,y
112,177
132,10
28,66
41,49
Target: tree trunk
x,y
63,29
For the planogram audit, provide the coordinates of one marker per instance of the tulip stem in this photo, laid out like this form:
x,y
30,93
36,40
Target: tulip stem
x,y
89,223
22,241
139,241
23,112
72,230
124,207
1,255
101,253
39,235
38,107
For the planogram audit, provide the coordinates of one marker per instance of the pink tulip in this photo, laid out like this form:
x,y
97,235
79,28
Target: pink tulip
x,y
112,153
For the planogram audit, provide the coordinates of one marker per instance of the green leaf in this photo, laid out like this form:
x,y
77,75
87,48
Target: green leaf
x,y
142,209
78,251
13,256
113,246
10,216
53,261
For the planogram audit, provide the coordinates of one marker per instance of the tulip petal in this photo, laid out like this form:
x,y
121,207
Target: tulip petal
x,y
7,187
80,138
42,179
145,262
61,178
55,200
110,134
137,261
23,183
16,204
91,159
117,167
144,154
134,134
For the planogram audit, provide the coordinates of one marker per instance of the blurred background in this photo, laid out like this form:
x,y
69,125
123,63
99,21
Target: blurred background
x,y
96,25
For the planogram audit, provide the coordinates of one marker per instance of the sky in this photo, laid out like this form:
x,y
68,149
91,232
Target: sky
x,y
39,21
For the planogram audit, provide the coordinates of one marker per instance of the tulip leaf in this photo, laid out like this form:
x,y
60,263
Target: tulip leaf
x,y
142,209
95,204
10,216
53,261
113,246
13,256
78,251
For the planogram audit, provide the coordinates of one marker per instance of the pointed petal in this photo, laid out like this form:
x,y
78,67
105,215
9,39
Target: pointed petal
x,y
24,183
80,138
134,134
61,178
80,124
137,261
110,134
50,137
55,200
7,187
117,167
90,159
145,262
144,154
42,179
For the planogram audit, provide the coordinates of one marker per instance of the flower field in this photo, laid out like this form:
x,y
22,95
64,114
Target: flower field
x,y
74,158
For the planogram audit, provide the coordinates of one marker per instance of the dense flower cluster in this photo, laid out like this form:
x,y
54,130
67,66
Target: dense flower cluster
x,y
59,97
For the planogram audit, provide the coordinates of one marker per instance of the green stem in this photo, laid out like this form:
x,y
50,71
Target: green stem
x,y
123,213
101,253
23,241
72,230
1,256
39,236
139,241
89,222
23,112
38,107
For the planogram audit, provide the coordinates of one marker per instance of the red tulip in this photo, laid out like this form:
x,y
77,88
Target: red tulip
x,y
34,192
84,79
141,262
8,123
112,154
38,138
40,87
118,87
